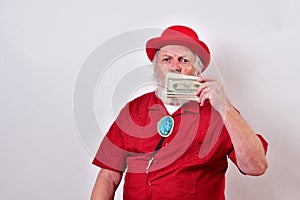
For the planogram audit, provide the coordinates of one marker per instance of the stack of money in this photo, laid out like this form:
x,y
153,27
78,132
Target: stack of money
x,y
181,86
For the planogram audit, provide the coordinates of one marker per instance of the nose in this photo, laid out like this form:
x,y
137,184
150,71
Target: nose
x,y
175,67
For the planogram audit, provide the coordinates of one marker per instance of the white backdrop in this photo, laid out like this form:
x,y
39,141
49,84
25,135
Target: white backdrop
x,y
43,45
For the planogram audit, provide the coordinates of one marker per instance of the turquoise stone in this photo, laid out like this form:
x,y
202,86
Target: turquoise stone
x,y
165,126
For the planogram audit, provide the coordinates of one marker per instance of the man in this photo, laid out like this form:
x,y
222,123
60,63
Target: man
x,y
189,163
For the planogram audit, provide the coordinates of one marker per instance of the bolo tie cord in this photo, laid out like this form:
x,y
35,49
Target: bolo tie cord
x,y
157,148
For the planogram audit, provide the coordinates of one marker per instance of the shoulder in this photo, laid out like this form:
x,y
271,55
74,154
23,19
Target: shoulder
x,y
140,104
137,108
143,102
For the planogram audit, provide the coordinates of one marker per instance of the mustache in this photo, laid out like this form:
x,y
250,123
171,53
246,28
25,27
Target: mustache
x,y
174,71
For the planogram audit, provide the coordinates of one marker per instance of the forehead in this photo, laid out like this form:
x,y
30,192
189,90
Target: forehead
x,y
177,50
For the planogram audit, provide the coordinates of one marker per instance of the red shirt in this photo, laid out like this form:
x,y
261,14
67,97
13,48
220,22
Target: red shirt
x,y
191,163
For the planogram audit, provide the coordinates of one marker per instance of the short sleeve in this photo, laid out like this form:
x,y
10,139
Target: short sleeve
x,y
111,154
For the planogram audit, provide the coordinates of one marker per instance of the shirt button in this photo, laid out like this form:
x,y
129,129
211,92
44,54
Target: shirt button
x,y
149,183
156,161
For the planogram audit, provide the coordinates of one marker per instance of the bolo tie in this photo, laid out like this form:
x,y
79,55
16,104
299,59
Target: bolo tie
x,y
164,128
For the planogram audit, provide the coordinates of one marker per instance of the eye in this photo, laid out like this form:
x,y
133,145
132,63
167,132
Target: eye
x,y
184,60
166,59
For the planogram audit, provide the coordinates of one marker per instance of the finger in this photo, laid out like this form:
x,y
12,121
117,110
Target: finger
x,y
204,93
204,96
206,85
200,89
206,79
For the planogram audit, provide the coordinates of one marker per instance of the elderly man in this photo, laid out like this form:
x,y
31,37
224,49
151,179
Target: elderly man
x,y
190,161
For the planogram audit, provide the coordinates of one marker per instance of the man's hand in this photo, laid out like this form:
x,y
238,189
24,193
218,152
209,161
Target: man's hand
x,y
213,91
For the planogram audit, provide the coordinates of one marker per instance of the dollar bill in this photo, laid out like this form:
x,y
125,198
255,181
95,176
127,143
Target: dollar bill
x,y
181,86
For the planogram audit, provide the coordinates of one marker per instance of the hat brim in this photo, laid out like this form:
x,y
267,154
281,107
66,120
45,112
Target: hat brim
x,y
200,48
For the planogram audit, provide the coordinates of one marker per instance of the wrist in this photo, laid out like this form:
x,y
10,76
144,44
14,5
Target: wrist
x,y
226,110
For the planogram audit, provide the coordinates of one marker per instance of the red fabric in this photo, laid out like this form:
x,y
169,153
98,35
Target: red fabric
x,y
191,163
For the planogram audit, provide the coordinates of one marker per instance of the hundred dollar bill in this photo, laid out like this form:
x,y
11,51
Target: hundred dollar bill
x,y
181,86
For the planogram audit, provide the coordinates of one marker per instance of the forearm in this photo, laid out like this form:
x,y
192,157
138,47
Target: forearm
x,y
249,150
105,187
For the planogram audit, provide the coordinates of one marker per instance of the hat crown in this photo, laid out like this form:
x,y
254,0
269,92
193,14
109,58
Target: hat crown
x,y
179,31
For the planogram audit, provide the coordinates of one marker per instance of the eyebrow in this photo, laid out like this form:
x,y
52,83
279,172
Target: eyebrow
x,y
181,56
167,55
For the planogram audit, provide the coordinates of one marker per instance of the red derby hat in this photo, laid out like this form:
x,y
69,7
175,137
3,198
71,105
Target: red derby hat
x,y
179,35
